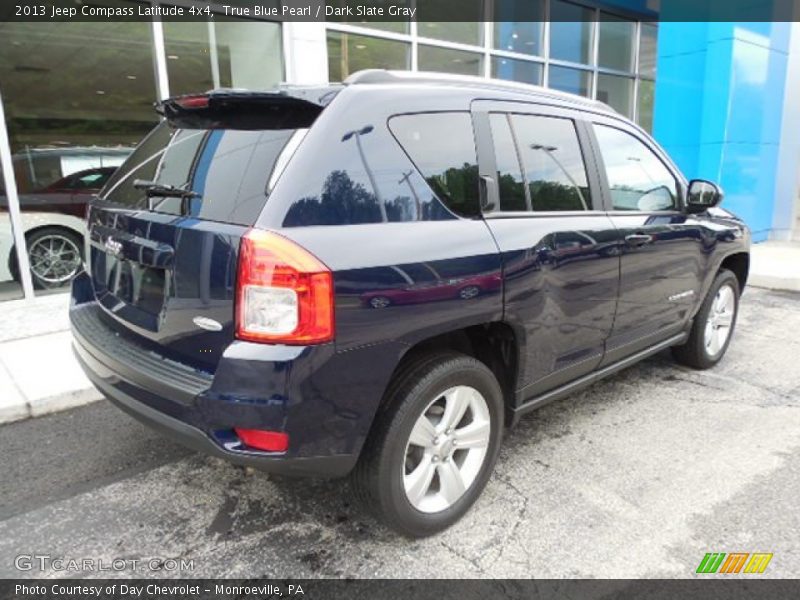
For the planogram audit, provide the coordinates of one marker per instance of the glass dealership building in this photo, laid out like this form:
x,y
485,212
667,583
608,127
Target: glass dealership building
x,y
722,98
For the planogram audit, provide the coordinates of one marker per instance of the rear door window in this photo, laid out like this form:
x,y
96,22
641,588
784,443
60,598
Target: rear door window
x,y
442,146
540,166
227,169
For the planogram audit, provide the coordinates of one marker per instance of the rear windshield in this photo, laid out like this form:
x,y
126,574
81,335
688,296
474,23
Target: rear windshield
x,y
227,171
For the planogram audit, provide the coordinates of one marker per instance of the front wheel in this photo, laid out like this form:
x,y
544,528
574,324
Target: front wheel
x,y
433,449
713,325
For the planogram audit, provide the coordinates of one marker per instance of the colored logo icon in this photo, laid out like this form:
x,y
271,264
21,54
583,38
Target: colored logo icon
x,y
734,562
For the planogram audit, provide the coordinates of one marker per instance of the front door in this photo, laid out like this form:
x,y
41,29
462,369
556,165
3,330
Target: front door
x,y
662,259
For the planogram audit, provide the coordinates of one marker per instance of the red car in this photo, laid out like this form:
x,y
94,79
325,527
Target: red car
x,y
431,287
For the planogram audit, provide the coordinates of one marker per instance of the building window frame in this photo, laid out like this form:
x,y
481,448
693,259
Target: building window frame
x,y
161,77
487,50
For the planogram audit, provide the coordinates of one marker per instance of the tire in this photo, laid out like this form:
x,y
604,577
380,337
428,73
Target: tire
x,y
38,242
700,351
390,461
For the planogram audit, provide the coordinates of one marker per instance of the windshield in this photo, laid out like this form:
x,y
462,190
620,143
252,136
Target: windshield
x,y
227,169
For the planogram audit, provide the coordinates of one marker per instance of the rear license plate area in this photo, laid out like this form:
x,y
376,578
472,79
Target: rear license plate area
x,y
130,283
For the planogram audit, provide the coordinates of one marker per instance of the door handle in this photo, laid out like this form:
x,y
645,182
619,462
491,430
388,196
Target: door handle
x,y
638,239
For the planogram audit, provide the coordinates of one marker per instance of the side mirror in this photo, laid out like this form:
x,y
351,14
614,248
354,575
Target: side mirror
x,y
702,196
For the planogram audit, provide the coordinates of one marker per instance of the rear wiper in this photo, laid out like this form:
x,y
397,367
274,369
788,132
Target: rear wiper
x,y
153,188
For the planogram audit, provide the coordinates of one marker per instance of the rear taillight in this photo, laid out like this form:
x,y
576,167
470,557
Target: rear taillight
x,y
284,294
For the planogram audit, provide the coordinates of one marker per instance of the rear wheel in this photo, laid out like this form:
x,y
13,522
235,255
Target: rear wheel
x,y
713,325
433,449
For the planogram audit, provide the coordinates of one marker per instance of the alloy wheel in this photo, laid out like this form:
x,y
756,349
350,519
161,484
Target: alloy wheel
x,y
446,449
720,320
54,259
469,292
379,302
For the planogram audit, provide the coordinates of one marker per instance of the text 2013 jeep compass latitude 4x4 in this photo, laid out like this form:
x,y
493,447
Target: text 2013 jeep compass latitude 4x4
x,y
376,278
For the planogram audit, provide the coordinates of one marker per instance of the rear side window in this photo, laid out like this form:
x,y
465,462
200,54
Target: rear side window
x,y
352,171
637,179
540,165
227,169
442,146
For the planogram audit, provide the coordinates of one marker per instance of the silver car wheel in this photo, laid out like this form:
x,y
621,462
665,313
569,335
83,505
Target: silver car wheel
x,y
469,292
54,258
446,449
379,302
720,320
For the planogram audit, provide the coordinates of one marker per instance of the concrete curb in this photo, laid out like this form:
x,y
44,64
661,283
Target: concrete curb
x,y
44,406
39,375
59,402
774,282
775,266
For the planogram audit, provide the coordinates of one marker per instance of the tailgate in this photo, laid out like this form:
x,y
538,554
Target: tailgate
x,y
164,233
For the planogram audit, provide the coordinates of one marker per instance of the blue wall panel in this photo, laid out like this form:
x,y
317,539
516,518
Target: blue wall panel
x,y
719,105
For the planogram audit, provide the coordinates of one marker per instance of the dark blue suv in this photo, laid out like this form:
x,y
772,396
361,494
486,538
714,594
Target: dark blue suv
x,y
377,278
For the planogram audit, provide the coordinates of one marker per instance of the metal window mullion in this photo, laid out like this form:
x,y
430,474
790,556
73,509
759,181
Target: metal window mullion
x,y
160,57
636,66
287,40
571,65
518,56
488,40
546,44
213,54
9,180
413,30
595,57
451,45
373,33
616,72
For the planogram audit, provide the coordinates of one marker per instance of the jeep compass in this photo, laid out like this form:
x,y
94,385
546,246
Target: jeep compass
x,y
377,278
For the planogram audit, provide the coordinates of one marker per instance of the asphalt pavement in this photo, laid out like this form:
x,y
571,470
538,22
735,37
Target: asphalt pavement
x,y
638,476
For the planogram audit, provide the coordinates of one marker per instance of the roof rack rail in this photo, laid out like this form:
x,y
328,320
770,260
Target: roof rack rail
x,y
383,76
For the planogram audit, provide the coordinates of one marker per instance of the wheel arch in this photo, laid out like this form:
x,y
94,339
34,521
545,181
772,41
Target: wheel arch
x,y
493,343
739,264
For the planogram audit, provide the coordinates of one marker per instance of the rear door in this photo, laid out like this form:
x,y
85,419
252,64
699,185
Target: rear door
x,y
164,234
661,251
559,248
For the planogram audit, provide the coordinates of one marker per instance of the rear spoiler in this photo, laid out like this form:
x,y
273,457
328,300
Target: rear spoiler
x,y
286,107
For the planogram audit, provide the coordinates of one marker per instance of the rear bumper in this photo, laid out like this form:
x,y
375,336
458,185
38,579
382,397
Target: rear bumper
x,y
304,392
195,438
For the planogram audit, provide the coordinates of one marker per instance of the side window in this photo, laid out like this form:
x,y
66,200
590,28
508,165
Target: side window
x,y
442,146
540,164
637,178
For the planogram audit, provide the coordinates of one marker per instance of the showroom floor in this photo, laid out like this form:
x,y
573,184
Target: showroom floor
x,y
640,475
